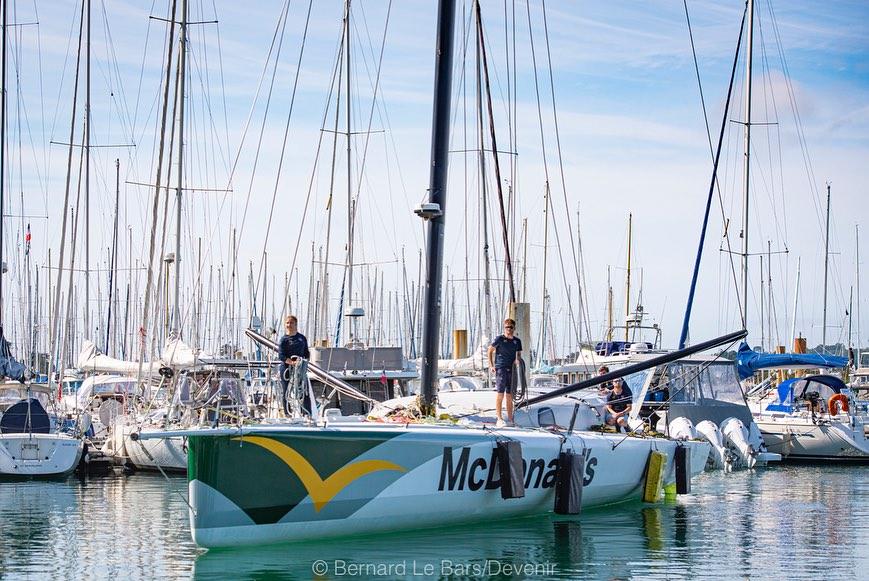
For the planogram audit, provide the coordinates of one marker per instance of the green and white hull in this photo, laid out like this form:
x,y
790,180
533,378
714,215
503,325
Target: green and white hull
x,y
268,484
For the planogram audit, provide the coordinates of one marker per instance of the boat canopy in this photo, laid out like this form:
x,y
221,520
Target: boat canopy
x,y
704,383
748,361
825,385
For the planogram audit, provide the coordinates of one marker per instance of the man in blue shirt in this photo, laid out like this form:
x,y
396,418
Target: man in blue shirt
x,y
292,346
619,404
504,353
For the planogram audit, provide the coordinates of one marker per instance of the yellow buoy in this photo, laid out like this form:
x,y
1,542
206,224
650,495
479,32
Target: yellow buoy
x,y
654,476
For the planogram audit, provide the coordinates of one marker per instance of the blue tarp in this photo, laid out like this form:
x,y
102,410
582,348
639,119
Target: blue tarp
x,y
799,386
785,401
749,361
9,367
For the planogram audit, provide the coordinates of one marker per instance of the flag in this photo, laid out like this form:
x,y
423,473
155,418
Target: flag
x,y
27,241
383,377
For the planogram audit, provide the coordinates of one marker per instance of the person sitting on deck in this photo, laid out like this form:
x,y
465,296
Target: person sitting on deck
x,y
619,403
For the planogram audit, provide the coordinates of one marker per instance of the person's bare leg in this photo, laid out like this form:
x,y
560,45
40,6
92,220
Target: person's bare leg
x,y
510,407
499,403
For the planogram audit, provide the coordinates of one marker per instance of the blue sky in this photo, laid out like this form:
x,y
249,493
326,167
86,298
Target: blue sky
x,y
632,135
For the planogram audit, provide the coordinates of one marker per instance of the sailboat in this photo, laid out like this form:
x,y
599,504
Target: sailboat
x,y
342,475
32,443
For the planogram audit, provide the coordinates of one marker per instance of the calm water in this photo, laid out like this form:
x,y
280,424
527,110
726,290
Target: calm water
x,y
787,522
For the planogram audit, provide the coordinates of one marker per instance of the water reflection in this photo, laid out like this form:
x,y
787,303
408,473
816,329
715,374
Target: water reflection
x,y
793,522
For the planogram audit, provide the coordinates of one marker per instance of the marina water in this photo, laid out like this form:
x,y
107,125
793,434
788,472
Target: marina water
x,y
785,522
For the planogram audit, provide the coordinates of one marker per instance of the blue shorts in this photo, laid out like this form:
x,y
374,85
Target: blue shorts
x,y
504,379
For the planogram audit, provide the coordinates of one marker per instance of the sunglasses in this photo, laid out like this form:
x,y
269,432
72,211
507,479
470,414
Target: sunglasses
x,y
509,327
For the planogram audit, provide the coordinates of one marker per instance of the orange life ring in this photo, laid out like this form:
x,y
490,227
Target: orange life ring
x,y
842,400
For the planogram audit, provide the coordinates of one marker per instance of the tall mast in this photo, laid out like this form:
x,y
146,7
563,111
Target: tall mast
x,y
87,178
609,306
628,278
826,269
2,155
484,209
113,261
545,258
437,201
796,297
857,268
176,310
350,205
747,155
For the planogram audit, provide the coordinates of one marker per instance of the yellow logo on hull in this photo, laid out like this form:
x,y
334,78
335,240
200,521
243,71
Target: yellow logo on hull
x,y
321,491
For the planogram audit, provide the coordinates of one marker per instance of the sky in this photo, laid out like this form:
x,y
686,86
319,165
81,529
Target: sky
x,y
630,131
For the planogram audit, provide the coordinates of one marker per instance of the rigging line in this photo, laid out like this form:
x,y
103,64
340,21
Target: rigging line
x,y
280,163
574,244
249,119
548,196
361,165
63,72
54,321
807,162
504,233
709,137
142,68
45,154
222,80
119,87
155,208
769,91
21,104
277,39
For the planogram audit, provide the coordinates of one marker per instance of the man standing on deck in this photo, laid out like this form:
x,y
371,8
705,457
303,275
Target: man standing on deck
x,y
292,346
504,353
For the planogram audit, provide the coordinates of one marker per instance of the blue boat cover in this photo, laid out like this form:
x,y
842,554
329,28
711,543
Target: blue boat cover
x,y
606,348
749,361
9,367
25,417
785,401
801,386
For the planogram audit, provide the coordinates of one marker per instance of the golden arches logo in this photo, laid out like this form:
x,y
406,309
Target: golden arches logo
x,y
321,491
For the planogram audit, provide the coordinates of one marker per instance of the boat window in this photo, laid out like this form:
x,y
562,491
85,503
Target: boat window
x,y
545,417
682,381
720,382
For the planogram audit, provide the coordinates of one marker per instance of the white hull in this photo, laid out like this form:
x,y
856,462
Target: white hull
x,y
168,454
443,475
39,455
799,438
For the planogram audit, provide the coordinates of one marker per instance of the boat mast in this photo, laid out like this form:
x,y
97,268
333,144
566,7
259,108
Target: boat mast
x,y
546,202
113,260
628,278
826,270
87,177
747,156
609,306
182,63
437,201
2,156
857,268
796,296
351,207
